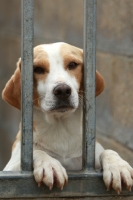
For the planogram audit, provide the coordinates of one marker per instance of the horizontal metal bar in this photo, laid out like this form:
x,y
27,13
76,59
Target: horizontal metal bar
x,y
19,185
27,84
89,84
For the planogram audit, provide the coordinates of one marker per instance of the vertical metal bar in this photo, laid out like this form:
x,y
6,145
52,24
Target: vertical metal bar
x,y
89,84
27,84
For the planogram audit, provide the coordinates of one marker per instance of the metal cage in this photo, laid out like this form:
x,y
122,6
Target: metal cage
x,y
83,183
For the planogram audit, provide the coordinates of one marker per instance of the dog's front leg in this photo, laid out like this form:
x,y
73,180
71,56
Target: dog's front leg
x,y
48,170
116,171
14,163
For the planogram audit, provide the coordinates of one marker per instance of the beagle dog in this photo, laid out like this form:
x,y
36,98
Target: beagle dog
x,y
57,143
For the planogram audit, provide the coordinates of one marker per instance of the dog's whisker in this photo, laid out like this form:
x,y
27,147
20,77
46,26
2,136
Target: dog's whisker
x,y
83,97
42,96
81,91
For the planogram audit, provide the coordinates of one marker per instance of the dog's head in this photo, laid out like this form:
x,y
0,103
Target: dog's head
x,y
58,72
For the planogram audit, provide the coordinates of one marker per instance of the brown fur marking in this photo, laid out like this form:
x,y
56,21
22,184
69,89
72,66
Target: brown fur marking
x,y
73,54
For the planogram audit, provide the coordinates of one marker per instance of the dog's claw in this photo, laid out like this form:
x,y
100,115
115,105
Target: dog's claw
x,y
129,188
118,191
39,184
62,187
50,187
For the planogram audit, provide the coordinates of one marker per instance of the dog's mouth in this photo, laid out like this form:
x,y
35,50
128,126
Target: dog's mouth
x,y
62,108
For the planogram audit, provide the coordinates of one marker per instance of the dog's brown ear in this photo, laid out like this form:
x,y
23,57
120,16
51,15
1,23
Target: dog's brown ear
x,y
12,91
99,83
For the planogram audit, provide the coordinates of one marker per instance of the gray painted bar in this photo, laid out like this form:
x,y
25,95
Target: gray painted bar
x,y
89,84
27,84
23,185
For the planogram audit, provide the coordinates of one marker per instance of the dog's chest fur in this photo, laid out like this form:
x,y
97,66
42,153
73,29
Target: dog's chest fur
x,y
60,137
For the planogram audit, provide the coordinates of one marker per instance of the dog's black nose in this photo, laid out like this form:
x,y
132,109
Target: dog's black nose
x,y
62,91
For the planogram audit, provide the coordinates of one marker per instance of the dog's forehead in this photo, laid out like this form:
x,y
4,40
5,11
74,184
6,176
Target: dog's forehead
x,y
39,52
67,49
56,50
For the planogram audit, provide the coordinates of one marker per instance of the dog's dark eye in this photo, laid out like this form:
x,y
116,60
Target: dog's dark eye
x,y
72,65
39,70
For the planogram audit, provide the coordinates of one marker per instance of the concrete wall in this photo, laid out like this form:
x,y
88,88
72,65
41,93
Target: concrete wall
x,y
115,62
62,20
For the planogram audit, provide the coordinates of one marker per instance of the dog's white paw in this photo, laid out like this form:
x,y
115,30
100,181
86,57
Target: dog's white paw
x,y
116,171
48,170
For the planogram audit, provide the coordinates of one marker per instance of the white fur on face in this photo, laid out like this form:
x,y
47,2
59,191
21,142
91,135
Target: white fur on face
x,y
57,75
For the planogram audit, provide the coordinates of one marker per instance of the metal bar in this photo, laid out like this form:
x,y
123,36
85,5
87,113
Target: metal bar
x,y
89,84
27,84
19,185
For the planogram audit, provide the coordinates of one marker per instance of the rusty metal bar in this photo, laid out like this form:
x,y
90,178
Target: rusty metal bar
x,y
89,84
27,84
